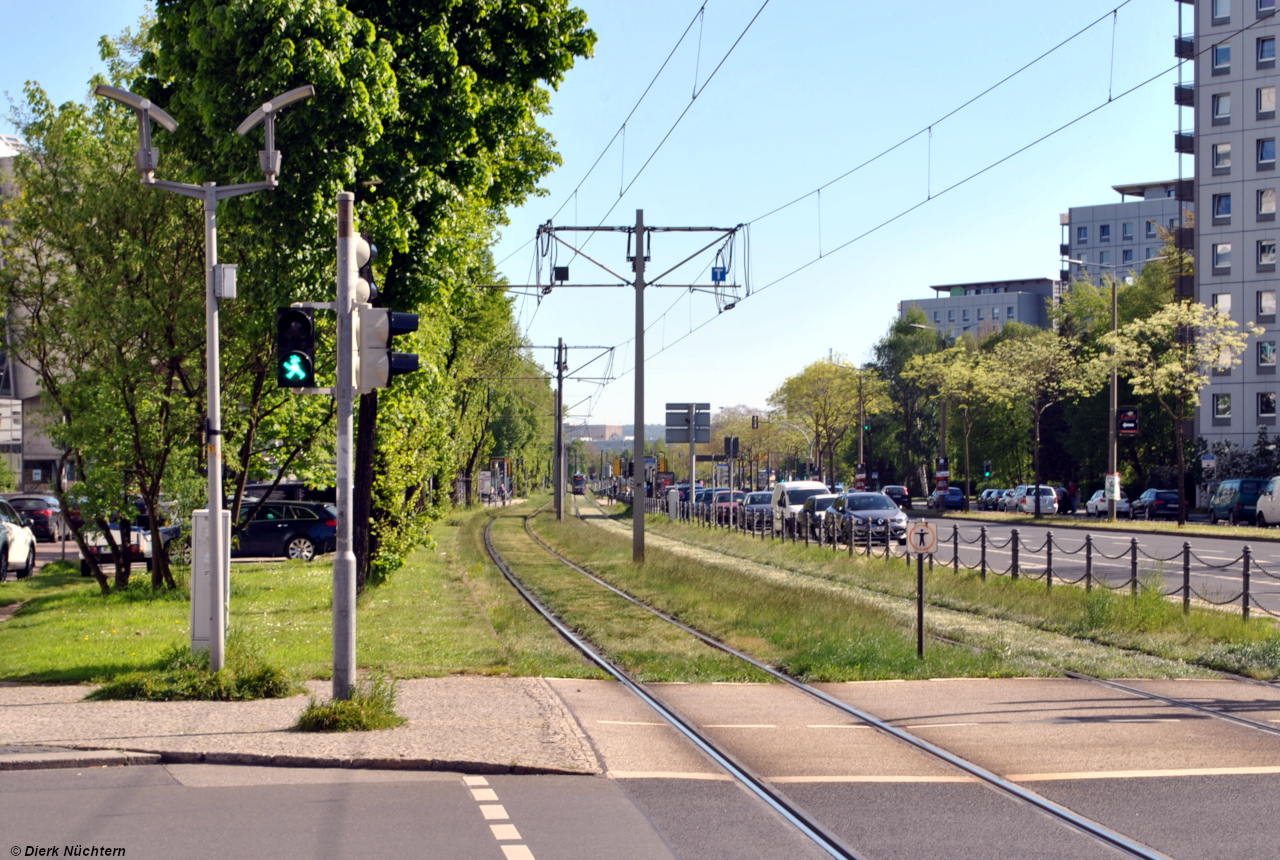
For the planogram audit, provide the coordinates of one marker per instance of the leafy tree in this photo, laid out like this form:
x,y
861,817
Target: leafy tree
x,y
1170,355
823,398
909,335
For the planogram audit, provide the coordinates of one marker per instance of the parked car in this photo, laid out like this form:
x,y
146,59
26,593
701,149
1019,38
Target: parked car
x,y
1155,504
299,530
1236,499
44,513
1009,501
1097,504
987,499
142,533
901,495
726,503
875,516
1066,503
814,511
755,509
1268,504
1048,500
17,544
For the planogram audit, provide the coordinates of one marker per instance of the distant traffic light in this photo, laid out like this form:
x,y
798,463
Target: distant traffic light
x,y
295,347
986,469
755,422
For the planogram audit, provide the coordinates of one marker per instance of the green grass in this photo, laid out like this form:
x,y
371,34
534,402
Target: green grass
x,y
372,706
184,676
445,612
1149,623
808,629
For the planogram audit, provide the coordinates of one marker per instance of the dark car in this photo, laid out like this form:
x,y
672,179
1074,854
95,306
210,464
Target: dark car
x,y
1155,504
814,512
989,499
755,510
298,530
44,514
900,495
951,499
1236,500
875,516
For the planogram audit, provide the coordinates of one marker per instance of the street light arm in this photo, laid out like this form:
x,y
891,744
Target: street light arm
x,y
138,103
147,156
269,158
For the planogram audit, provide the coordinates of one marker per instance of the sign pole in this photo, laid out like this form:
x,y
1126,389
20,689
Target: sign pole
x,y
922,538
920,605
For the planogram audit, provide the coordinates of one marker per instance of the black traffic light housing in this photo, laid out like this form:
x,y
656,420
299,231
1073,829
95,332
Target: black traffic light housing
x,y
295,347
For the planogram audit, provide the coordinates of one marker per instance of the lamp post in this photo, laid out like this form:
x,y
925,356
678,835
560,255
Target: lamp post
x,y
219,284
1113,465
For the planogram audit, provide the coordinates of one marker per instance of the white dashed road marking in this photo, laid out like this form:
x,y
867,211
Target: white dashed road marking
x,y
497,812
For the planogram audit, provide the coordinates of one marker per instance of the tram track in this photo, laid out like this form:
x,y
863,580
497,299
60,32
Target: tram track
x,y
795,814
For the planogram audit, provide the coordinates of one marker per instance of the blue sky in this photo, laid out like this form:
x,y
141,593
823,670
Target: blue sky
x,y
814,88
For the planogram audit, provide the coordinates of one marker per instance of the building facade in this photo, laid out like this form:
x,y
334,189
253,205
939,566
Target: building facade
x,y
1119,238
983,307
1233,98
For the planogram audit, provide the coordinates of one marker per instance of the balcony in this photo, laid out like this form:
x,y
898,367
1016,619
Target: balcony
x,y
1064,250
1064,275
1185,190
1184,238
1185,286
1184,95
1184,47
1184,142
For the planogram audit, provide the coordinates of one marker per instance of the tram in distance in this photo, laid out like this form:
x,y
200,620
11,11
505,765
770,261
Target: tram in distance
x,y
579,484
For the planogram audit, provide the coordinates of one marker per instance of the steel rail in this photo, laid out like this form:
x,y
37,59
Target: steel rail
x,y
1011,789
1176,703
797,817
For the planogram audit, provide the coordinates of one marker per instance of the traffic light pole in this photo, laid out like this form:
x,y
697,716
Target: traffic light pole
x,y
637,471
559,454
344,559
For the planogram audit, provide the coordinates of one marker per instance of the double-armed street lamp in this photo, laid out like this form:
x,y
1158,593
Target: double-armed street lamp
x,y
1113,465
220,283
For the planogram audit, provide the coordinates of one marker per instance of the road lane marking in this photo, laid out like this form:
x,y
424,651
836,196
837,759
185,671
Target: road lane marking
x,y
517,852
845,726
1142,774
493,811
869,778
503,832
474,780
739,726
627,723
667,774
483,794
937,725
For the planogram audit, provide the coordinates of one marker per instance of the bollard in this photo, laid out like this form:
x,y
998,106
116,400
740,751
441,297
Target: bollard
x,y
1088,563
1048,567
1013,546
1244,594
982,544
955,548
1186,577
1133,567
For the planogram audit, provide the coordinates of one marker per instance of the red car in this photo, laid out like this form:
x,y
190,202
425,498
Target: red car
x,y
726,503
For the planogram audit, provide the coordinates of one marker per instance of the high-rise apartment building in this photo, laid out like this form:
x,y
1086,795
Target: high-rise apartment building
x,y
1233,98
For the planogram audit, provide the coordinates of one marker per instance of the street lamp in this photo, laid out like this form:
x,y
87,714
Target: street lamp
x,y
1113,465
219,284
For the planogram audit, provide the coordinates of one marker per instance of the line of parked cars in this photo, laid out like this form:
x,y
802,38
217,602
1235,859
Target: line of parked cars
x,y
1022,499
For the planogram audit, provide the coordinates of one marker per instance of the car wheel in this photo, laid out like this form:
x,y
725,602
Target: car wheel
x,y
1231,518
301,548
1131,516
1213,518
4,563
1148,515
30,567
1261,521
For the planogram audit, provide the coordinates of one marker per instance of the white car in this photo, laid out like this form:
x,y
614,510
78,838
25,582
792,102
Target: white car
x,y
19,544
1097,505
1048,501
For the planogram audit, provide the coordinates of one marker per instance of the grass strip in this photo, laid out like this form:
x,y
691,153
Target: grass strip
x,y
186,677
808,629
1149,623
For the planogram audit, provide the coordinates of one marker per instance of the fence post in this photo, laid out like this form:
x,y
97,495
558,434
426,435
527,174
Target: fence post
x,y
1186,577
1244,599
1048,569
982,544
1133,567
1088,563
955,548
806,532
1013,543
851,533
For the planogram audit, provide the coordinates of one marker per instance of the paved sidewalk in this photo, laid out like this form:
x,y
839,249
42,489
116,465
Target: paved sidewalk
x,y
467,723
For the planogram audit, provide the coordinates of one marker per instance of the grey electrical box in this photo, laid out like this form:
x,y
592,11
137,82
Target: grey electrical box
x,y
224,280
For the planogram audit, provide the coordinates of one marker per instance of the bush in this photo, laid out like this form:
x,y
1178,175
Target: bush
x,y
184,676
372,706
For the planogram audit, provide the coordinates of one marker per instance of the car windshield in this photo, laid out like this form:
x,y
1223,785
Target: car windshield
x,y
1167,497
823,504
871,503
758,499
798,497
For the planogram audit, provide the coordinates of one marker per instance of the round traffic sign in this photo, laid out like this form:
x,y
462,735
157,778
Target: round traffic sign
x,y
922,538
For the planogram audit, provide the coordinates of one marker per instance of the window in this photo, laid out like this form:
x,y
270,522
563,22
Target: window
x,y
1266,99
1222,106
1222,56
1222,303
1222,406
1267,201
1222,155
1222,206
964,315
951,316
1009,314
1084,257
1173,224
1082,235
1266,252
1126,231
1104,258
1266,5
1267,49
1266,150
1266,302
1151,252
1222,255
1104,232
937,316
1266,404
1152,229
980,314
1266,353
1222,8
995,313
1126,256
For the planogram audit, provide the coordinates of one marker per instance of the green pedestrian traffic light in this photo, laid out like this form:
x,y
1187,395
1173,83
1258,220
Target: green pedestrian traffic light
x,y
295,347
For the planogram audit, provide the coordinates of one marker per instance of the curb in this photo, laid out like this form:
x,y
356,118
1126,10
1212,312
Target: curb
x,y
75,758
